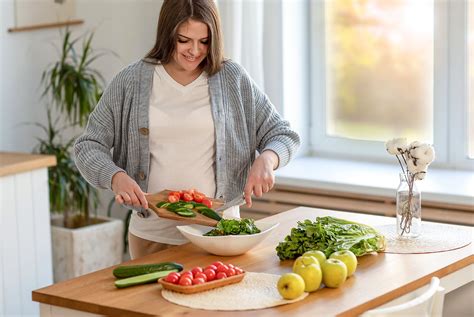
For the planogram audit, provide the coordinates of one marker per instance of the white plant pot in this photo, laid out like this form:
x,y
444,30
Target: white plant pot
x,y
83,250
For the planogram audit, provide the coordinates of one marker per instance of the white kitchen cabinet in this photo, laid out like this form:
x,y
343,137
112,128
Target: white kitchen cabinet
x,y
25,232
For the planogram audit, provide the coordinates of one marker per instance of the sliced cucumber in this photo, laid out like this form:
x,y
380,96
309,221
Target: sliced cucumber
x,y
186,213
142,279
208,212
162,204
188,205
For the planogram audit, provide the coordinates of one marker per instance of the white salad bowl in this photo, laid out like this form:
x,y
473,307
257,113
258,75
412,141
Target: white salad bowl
x,y
226,245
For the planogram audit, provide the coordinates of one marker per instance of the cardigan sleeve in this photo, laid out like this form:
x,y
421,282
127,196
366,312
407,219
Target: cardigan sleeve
x,y
272,131
93,148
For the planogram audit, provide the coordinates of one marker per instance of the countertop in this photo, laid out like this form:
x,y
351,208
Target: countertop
x,y
14,163
393,274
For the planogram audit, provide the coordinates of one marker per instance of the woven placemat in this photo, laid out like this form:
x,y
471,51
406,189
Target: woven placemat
x,y
434,237
255,291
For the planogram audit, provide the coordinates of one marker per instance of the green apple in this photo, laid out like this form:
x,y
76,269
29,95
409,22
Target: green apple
x,y
312,276
319,255
349,259
304,260
334,273
290,286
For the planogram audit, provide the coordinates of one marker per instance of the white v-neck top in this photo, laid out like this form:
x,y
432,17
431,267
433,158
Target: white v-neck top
x,y
182,148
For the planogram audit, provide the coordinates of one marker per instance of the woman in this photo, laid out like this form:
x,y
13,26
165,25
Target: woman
x,y
183,117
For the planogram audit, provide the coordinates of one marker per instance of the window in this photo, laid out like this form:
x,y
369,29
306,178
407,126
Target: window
x,y
383,69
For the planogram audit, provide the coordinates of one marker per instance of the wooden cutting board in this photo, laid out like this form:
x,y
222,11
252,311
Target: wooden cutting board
x,y
153,199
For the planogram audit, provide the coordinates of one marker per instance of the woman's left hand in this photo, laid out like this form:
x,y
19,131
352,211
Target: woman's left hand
x,y
261,176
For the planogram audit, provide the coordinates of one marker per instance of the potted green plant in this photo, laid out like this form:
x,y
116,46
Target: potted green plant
x,y
81,243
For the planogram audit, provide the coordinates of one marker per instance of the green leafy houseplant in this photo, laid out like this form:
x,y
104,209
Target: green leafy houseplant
x,y
69,192
74,89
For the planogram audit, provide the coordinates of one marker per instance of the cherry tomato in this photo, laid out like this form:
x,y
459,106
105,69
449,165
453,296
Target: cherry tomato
x,y
207,202
187,273
185,281
175,273
173,198
196,269
198,281
175,193
238,270
230,266
230,272
201,275
217,263
187,197
222,268
220,275
212,267
191,191
210,274
172,279
198,197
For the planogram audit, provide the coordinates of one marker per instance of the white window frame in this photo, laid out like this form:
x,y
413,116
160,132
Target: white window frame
x,y
450,88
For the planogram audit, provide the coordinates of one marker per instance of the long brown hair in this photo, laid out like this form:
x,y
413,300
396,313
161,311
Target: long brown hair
x,y
175,12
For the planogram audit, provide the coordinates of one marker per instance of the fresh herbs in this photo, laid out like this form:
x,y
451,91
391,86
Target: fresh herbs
x,y
227,227
329,234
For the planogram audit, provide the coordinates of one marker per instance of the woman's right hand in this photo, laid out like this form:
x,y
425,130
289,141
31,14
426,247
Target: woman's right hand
x,y
127,191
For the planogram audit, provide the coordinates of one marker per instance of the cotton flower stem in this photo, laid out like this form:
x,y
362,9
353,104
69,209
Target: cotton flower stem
x,y
407,212
401,165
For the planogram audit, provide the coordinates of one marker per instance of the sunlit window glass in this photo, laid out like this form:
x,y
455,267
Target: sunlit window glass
x,y
471,79
379,69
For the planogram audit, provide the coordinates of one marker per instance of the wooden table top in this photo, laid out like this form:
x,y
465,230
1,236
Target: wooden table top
x,y
14,163
379,278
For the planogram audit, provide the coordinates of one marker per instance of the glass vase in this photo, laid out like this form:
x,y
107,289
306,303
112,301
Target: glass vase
x,y
408,207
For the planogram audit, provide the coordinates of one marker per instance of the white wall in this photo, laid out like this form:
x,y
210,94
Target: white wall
x,y
126,27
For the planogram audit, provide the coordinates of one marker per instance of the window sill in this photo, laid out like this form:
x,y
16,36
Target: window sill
x,y
440,185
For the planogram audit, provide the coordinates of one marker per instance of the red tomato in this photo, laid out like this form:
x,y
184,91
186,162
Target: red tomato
x,y
207,202
191,191
173,198
220,275
210,274
212,267
175,273
198,281
185,281
222,268
230,272
230,266
172,279
201,275
217,263
175,193
196,269
187,197
238,270
198,197
188,273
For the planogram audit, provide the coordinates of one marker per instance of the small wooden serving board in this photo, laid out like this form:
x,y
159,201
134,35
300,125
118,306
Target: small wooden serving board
x,y
191,289
153,199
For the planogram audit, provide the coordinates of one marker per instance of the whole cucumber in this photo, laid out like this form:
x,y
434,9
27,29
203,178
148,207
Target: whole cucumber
x,y
134,270
142,279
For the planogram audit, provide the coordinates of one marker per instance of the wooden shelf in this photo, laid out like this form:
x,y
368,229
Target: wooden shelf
x,y
44,26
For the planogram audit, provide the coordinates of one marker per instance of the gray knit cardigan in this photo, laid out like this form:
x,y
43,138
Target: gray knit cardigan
x,y
116,136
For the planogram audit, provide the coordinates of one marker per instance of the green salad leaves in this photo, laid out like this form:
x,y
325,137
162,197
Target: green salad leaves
x,y
233,227
329,234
